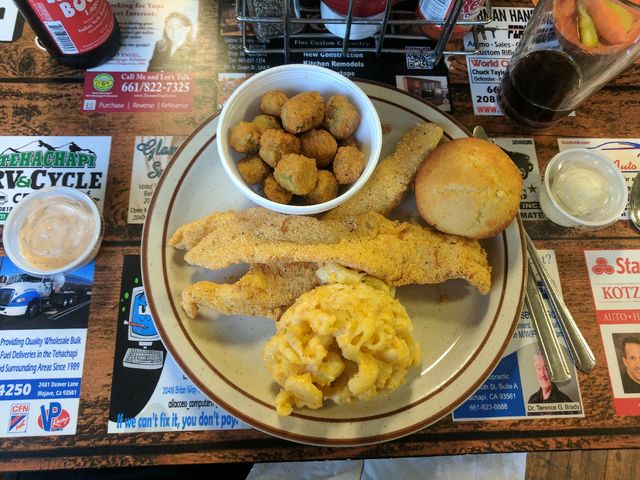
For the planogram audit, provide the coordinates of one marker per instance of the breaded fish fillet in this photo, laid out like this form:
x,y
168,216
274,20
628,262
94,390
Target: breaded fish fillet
x,y
255,293
382,193
398,253
387,185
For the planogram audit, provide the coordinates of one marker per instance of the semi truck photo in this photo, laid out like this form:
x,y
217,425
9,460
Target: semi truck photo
x,y
22,294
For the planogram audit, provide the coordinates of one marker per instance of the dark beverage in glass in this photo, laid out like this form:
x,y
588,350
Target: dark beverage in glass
x,y
535,88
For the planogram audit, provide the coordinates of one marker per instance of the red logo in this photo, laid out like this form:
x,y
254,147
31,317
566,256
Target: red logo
x,y
602,266
19,415
54,418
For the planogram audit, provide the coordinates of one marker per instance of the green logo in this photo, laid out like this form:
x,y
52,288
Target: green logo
x,y
103,82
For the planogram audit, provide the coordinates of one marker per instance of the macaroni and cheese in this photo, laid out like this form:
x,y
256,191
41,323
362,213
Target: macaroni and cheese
x,y
343,342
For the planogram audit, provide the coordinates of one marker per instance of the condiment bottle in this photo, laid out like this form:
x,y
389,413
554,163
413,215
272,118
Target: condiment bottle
x,y
437,10
78,33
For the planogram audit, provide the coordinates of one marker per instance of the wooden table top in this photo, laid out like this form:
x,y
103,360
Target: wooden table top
x,y
40,97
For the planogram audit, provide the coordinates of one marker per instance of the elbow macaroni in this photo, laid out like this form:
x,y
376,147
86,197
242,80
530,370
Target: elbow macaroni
x,y
343,342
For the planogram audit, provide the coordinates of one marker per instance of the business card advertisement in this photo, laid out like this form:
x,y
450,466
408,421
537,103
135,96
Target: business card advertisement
x,y
497,41
522,152
9,21
151,71
615,284
520,386
28,164
149,392
434,89
151,156
623,152
43,332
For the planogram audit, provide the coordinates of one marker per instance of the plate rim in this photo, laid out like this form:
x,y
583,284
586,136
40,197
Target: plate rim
x,y
280,432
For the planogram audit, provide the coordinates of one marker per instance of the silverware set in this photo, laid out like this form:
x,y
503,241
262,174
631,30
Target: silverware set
x,y
579,350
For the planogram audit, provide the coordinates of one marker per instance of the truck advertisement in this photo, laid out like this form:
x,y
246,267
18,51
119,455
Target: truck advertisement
x,y
43,332
28,295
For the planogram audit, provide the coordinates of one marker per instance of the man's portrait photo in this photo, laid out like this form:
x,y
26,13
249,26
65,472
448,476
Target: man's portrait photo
x,y
628,352
548,391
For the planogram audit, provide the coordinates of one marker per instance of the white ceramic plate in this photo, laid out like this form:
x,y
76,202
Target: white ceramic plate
x,y
462,333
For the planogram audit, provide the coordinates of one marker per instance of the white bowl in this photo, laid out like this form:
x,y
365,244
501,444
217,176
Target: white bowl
x,y
36,203
244,105
569,192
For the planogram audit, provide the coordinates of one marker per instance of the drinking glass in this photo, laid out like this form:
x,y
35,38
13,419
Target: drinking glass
x,y
569,50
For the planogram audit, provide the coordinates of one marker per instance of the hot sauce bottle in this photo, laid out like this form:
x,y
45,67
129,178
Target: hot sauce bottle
x,y
437,10
78,33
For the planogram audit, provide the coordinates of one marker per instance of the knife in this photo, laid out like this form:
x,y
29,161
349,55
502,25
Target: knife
x,y
543,324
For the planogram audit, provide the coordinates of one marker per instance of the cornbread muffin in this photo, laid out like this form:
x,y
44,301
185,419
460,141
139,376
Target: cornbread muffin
x,y
468,187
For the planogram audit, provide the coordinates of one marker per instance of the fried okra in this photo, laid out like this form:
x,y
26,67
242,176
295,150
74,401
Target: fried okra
x,y
296,173
271,102
266,122
341,117
252,169
326,188
274,191
319,144
302,112
348,142
348,165
276,143
245,137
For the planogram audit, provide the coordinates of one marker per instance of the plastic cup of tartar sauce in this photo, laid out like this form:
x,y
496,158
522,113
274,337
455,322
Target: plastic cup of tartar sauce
x,y
54,230
583,188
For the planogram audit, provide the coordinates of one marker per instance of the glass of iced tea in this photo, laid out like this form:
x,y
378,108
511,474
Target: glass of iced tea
x,y
569,50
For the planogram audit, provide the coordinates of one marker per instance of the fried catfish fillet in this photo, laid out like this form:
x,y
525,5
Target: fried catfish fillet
x,y
386,188
382,193
254,294
398,253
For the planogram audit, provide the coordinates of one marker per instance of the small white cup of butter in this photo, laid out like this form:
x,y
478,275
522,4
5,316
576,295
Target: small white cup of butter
x,y
53,230
583,188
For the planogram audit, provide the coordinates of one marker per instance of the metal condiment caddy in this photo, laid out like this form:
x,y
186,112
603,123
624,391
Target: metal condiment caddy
x,y
294,16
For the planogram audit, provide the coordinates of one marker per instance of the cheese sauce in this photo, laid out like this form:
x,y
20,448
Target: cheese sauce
x,y
55,232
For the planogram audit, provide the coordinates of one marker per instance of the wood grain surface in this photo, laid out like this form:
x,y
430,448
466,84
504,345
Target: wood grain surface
x,y
39,97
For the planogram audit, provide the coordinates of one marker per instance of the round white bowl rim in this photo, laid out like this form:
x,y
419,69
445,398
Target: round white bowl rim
x,y
222,144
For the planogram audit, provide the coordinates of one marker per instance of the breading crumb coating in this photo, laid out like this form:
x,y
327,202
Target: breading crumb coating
x,y
271,102
245,137
348,165
302,112
341,117
276,143
296,173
